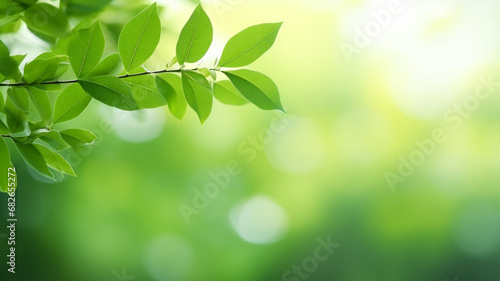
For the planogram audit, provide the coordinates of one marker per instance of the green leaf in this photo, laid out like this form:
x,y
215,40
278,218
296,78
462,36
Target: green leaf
x,y
3,128
46,21
53,138
86,49
63,43
85,7
41,100
195,38
77,138
110,65
198,93
249,45
5,164
34,158
44,67
213,74
144,91
139,38
256,87
20,98
47,87
12,27
35,126
17,119
19,58
173,61
110,90
175,98
8,66
204,71
2,102
70,103
55,160
225,92
9,19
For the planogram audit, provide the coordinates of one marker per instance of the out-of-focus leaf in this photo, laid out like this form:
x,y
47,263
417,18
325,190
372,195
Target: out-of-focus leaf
x,y
85,7
173,61
5,164
3,128
2,102
11,27
46,21
9,19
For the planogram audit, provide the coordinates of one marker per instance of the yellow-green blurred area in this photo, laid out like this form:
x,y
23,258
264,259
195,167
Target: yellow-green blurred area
x,y
360,108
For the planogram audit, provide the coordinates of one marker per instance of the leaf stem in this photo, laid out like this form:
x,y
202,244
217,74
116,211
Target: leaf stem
x,y
121,77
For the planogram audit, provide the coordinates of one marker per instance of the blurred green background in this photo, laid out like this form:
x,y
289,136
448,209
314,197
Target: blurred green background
x,y
320,173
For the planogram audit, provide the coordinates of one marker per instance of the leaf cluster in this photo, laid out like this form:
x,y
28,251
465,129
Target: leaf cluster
x,y
34,101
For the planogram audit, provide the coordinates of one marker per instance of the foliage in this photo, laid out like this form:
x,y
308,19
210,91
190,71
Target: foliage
x,y
30,119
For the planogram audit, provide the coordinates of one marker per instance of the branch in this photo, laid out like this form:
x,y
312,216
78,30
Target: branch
x,y
121,77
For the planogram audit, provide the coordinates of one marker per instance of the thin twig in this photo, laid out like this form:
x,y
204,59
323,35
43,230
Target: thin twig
x,y
121,77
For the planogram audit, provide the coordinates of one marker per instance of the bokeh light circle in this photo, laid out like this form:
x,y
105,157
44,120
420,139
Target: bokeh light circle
x,y
168,258
136,126
260,220
478,229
